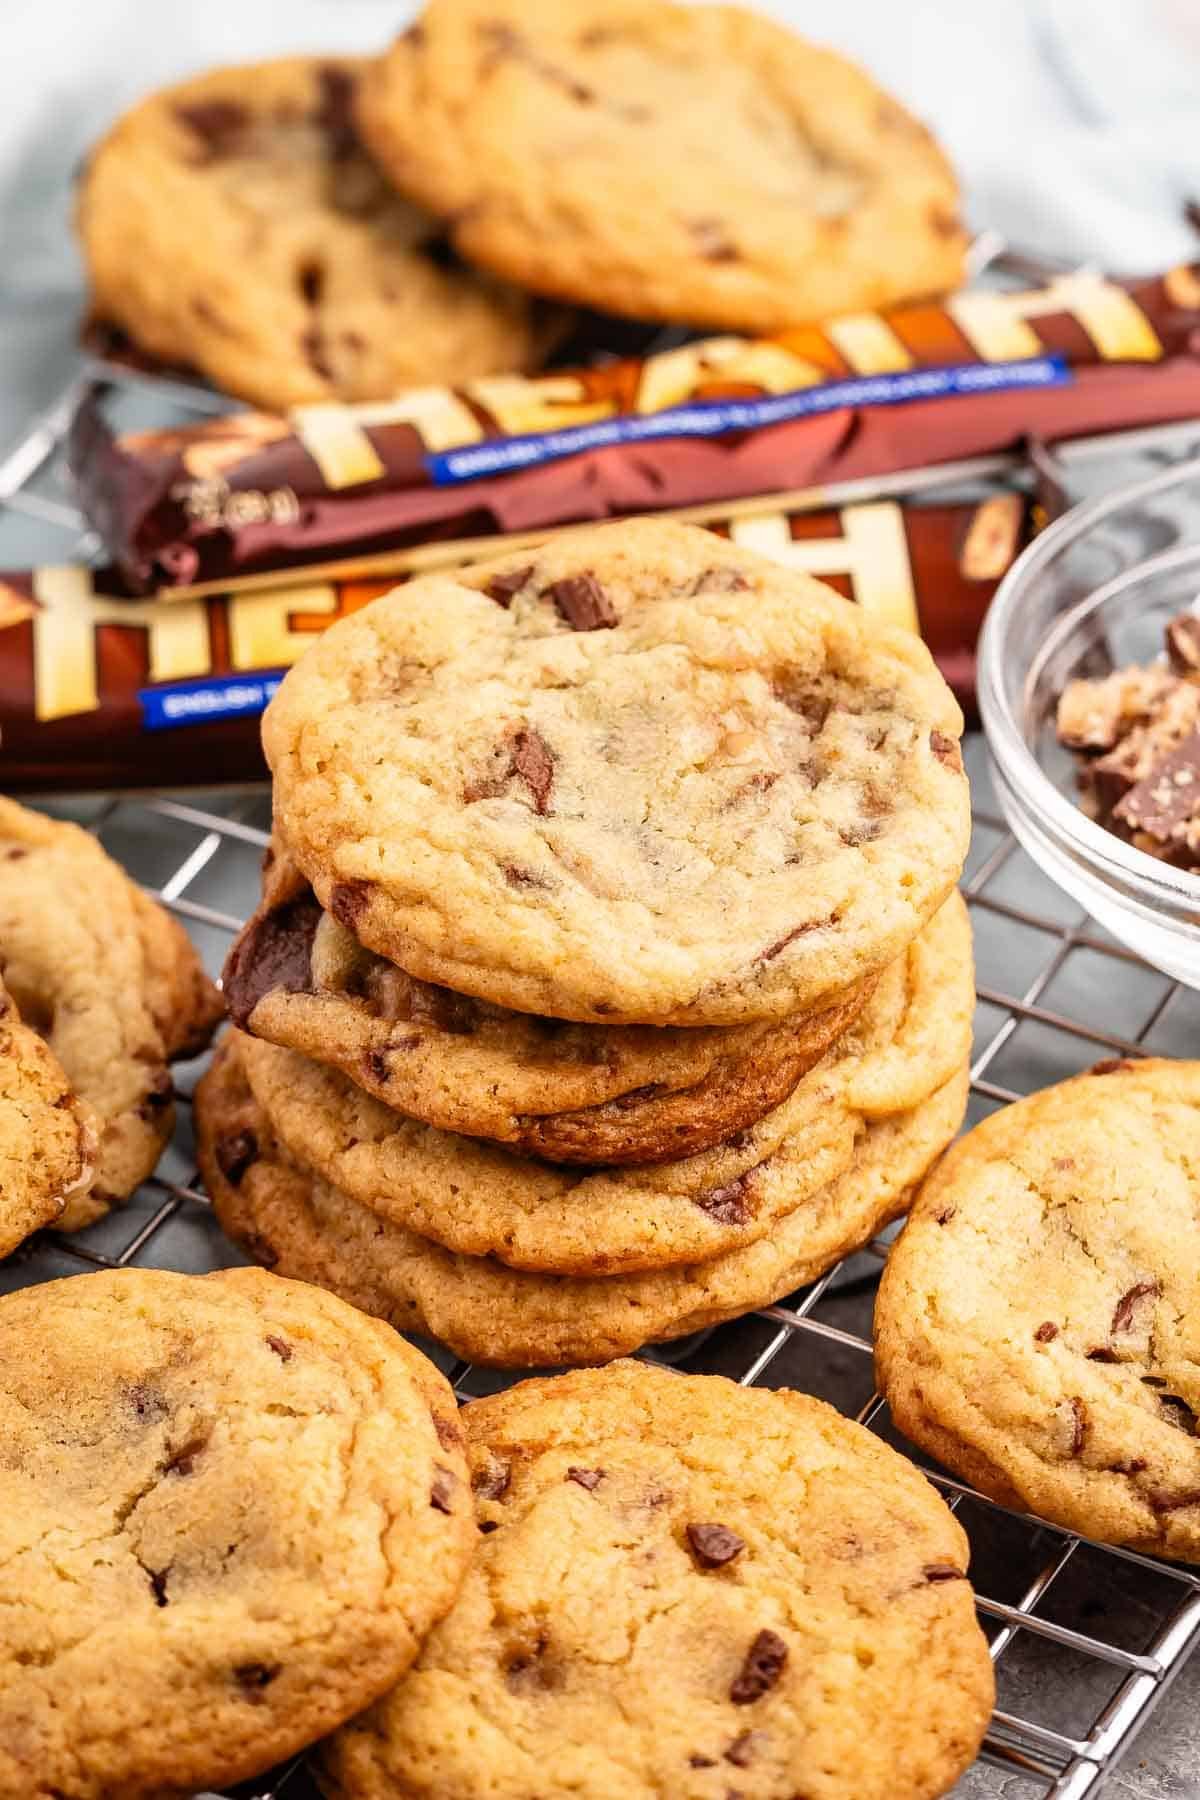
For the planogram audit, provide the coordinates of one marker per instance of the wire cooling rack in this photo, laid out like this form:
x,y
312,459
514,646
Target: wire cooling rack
x,y
1086,1640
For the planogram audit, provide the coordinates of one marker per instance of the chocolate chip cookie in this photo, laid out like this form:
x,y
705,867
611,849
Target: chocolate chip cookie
x,y
1036,1323
475,1197
113,985
47,1144
230,1510
235,223
569,1093
691,163
293,1221
633,776
685,1588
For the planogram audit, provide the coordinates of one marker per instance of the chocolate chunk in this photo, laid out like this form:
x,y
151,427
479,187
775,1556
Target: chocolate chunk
x,y
944,1217
586,1478
1183,644
259,1248
936,1572
522,878
273,955
583,603
255,1676
335,114
528,759
1166,1500
375,1064
731,1204
449,1432
183,1461
441,1494
312,345
720,580
1078,1424
235,1154
1134,1465
789,937
311,280
712,240
455,1013
502,587
348,900
1046,1332
158,1585
491,1481
487,1526
1178,1413
158,1097
281,1347
946,749
1122,1319
1165,804
1112,1065
713,1545
1102,1354
696,1761
764,1664
217,123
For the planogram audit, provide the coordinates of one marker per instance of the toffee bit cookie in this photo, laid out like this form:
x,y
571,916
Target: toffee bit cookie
x,y
295,1222
47,1144
569,1093
234,223
477,1198
112,984
684,1589
656,780
230,1510
1036,1326
687,163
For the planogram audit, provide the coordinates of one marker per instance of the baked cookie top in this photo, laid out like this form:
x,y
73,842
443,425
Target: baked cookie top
x,y
230,1509
566,1092
686,1588
234,222
292,1220
1037,1322
47,1144
110,981
478,1198
635,775
699,164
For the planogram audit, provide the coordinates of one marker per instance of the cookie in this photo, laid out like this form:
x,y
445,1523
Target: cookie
x,y
569,1093
696,164
234,223
685,1588
295,1222
230,1510
1036,1326
111,982
47,1144
633,776
479,1199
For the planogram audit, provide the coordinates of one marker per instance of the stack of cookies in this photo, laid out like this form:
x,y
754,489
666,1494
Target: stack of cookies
x,y
608,978
335,229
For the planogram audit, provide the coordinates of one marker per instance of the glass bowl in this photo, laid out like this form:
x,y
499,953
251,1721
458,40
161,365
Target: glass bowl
x,y
1092,593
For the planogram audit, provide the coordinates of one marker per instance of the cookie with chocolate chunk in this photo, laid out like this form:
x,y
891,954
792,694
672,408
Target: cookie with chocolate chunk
x,y
569,1093
235,223
294,1221
478,1198
690,163
635,775
686,1588
113,985
235,1507
1036,1324
47,1144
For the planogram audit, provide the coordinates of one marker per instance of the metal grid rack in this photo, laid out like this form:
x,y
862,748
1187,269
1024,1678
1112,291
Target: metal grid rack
x,y
1085,1639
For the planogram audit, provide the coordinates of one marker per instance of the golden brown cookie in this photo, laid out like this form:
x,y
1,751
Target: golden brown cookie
x,y
111,982
231,1508
295,1222
569,1093
685,1590
633,775
699,164
47,1145
1037,1322
235,223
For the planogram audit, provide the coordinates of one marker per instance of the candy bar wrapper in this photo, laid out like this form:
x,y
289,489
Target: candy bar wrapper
x,y
863,395
101,690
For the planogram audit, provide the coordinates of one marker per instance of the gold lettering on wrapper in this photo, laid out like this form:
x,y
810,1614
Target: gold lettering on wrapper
x,y
65,673
995,324
872,551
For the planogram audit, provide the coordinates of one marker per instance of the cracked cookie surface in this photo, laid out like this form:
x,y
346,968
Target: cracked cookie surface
x,y
1037,1321
235,223
479,1199
292,1220
684,1589
697,164
569,1093
230,1510
47,1144
111,982
633,775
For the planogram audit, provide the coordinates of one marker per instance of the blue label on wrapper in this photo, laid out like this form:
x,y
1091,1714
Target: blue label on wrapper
x,y
711,418
209,697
